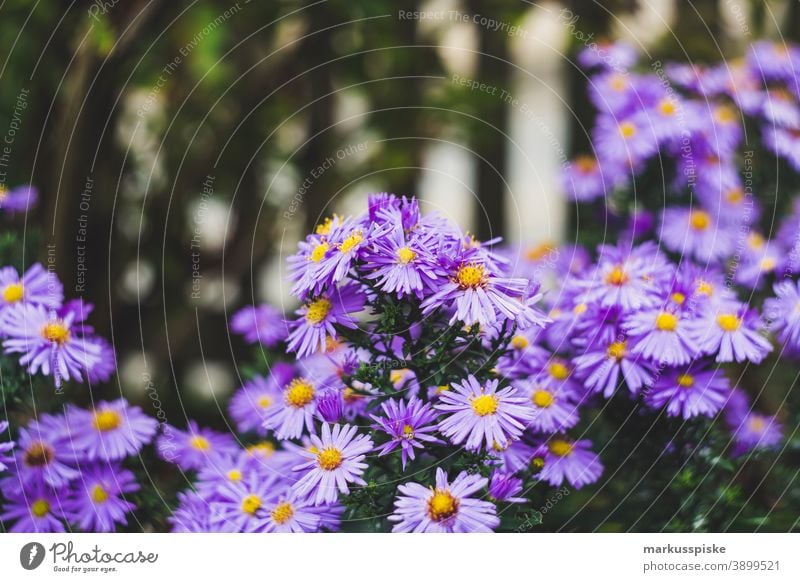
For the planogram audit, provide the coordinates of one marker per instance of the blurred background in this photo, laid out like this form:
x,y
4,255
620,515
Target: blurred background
x,y
181,148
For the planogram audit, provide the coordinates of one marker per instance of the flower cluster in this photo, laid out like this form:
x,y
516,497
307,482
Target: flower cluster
x,y
50,334
68,470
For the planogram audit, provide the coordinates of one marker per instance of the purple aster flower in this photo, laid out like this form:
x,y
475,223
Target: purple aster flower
x,y
757,266
783,311
662,336
554,408
335,460
36,286
585,179
572,461
478,297
483,415
627,277
20,199
240,506
259,323
224,468
110,432
731,332
5,447
48,343
96,501
694,232
774,61
514,457
294,410
330,406
402,263
192,515
504,487
602,365
625,142
690,392
408,425
289,514
756,431
617,56
318,317
784,143
191,449
105,366
43,452
35,507
445,508
249,405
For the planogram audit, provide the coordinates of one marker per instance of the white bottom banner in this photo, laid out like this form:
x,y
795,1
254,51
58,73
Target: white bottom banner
x,y
399,558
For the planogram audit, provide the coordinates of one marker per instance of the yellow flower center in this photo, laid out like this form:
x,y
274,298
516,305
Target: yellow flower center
x,y
99,495
519,342
537,463
56,332
617,276
627,129
38,454
734,196
105,420
560,448
666,321
542,399
299,392
757,424
264,449
319,252
685,380
580,309
13,293
282,513
325,226
667,107
728,322
678,298
251,504
234,475
318,310
617,350
618,83
265,401
351,241
725,114
539,252
558,370
767,264
405,255
442,505
40,507
471,276
705,288
329,459
755,241
442,388
699,219
200,443
408,432
484,404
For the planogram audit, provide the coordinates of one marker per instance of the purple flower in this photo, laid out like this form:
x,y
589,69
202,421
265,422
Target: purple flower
x,y
445,508
572,461
259,323
482,415
240,506
334,461
690,392
36,286
110,432
555,408
617,56
48,343
288,514
319,315
5,447
662,336
784,312
44,453
601,366
95,502
784,143
403,264
625,142
505,487
249,405
756,431
585,180
479,297
192,514
695,233
731,333
35,507
191,449
330,406
408,425
20,199
294,410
